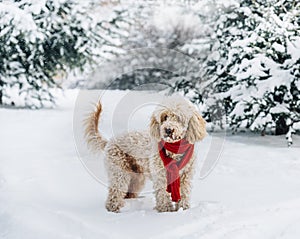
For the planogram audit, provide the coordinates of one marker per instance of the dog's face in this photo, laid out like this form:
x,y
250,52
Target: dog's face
x,y
172,128
175,119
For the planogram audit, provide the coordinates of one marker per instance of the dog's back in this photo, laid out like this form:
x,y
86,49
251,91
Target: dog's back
x,y
136,144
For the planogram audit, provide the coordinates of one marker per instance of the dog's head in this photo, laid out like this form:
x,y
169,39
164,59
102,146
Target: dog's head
x,y
175,119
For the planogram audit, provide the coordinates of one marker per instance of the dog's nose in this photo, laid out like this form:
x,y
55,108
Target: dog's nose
x,y
168,131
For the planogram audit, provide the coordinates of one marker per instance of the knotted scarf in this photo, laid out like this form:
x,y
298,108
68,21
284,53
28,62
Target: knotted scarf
x,y
172,166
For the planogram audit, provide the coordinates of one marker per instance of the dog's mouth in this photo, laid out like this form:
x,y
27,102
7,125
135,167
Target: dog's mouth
x,y
171,138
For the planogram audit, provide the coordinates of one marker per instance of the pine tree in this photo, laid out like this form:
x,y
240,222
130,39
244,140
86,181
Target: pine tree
x,y
38,42
254,67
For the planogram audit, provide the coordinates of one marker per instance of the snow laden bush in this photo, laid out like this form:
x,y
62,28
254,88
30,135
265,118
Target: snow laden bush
x,y
39,42
253,71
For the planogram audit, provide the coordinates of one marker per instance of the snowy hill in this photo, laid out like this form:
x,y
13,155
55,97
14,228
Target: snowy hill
x,y
46,191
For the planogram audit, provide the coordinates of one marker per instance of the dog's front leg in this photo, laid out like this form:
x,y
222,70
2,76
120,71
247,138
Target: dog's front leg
x,y
119,181
163,200
185,190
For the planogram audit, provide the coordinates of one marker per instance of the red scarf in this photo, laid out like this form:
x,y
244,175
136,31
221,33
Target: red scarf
x,y
172,166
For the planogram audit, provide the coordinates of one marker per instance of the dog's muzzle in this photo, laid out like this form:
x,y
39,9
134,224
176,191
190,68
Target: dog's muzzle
x,y
169,131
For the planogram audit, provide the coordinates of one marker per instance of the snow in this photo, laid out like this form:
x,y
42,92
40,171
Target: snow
x,y
46,192
169,18
293,49
11,12
278,47
278,109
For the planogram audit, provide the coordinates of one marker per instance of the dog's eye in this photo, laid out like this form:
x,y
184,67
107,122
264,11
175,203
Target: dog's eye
x,y
163,117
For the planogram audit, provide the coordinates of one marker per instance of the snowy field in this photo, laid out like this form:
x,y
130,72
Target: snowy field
x,y
46,191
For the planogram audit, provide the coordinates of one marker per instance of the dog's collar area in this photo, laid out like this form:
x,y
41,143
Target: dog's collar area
x,y
178,147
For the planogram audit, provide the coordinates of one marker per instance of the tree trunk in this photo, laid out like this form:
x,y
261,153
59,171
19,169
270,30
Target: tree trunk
x,y
281,127
1,94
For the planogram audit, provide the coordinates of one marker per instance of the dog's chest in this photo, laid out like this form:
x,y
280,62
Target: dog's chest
x,y
174,156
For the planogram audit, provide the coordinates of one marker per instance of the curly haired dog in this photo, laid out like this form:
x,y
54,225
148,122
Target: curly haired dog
x,y
135,156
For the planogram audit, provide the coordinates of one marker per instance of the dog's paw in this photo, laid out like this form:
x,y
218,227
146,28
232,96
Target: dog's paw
x,y
184,204
165,208
114,206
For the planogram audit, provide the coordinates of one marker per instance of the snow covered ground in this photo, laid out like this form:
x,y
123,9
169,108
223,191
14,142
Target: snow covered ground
x,y
47,192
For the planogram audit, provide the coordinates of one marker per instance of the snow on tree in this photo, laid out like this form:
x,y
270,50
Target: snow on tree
x,y
39,41
193,83
155,25
253,70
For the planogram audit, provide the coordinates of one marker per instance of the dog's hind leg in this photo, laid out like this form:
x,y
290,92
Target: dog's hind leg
x,y
119,182
136,184
125,176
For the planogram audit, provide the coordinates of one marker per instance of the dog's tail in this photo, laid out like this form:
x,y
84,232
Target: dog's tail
x,y
94,140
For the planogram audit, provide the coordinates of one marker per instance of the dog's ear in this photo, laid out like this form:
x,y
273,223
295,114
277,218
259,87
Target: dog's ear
x,y
196,129
154,128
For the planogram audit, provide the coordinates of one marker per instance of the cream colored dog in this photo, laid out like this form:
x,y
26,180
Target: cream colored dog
x,y
132,157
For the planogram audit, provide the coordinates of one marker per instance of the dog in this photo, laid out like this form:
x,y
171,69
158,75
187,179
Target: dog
x,y
163,154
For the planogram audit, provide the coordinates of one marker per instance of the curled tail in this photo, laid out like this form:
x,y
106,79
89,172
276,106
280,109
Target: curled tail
x,y
94,139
